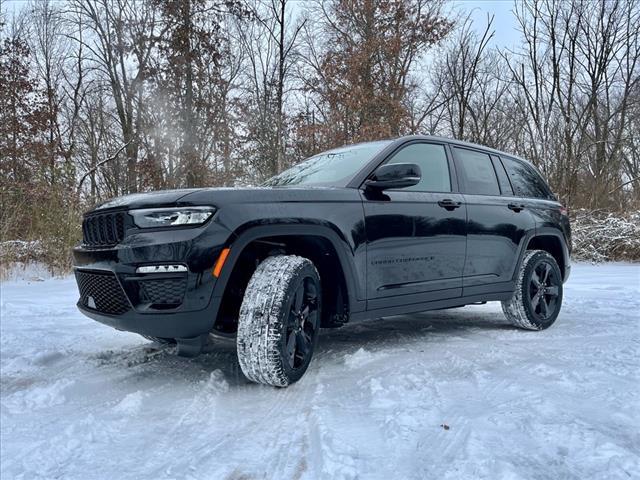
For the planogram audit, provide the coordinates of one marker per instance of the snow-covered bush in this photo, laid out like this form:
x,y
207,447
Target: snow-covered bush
x,y
600,236
18,254
52,253
21,250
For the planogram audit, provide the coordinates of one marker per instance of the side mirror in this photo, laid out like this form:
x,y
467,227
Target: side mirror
x,y
394,175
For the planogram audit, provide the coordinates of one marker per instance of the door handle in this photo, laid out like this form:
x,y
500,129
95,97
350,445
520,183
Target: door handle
x,y
516,207
449,204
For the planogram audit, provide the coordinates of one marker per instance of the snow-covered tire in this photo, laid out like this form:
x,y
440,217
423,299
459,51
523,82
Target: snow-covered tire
x,y
276,338
537,298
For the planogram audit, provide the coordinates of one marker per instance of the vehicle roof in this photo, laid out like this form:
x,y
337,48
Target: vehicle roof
x,y
436,138
461,143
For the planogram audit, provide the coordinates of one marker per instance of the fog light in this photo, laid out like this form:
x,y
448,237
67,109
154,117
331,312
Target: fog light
x,y
161,269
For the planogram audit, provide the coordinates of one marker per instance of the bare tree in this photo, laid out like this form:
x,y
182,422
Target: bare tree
x,y
270,44
121,37
575,73
459,77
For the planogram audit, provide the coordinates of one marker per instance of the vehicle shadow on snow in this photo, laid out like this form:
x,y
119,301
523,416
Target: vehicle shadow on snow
x,y
153,360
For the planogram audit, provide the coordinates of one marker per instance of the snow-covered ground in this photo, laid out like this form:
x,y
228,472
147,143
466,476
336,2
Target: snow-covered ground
x,y
80,400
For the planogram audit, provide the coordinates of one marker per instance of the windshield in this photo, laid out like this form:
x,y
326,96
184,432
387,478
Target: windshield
x,y
333,168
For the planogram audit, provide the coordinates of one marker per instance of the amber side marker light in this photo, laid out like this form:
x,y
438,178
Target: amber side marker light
x,y
220,262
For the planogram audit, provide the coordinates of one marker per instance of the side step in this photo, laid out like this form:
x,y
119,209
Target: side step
x,y
460,306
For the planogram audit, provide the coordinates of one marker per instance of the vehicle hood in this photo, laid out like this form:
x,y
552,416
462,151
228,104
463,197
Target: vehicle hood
x,y
218,197
143,200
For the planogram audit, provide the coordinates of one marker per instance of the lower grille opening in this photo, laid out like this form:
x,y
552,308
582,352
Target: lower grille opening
x,y
101,291
163,293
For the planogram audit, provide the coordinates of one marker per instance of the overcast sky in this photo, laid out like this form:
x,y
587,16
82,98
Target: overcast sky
x,y
504,24
505,27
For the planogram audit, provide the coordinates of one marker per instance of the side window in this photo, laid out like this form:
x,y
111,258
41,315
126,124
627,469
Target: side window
x,y
526,181
478,176
503,179
432,160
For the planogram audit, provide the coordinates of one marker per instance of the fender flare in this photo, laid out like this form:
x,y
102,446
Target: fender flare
x,y
247,234
545,232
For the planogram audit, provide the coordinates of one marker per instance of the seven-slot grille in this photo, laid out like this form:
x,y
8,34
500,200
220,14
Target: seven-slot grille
x,y
104,229
101,291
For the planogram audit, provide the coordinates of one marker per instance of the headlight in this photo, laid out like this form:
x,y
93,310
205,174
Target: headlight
x,y
171,217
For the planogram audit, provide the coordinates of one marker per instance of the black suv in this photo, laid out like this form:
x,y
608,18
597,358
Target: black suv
x,y
364,231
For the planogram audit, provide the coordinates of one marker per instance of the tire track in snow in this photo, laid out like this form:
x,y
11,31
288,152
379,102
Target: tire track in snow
x,y
277,459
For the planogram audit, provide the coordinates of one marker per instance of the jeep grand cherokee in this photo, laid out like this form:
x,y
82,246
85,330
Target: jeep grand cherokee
x,y
363,231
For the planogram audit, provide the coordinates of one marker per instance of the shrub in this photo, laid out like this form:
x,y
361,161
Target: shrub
x,y
600,236
42,226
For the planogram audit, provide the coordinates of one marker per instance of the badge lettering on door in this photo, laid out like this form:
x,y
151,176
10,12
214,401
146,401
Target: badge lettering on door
x,y
396,261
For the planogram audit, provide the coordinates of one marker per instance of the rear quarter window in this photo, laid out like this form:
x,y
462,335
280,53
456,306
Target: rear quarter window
x,y
525,179
503,178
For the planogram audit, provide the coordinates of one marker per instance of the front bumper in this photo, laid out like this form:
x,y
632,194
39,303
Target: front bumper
x,y
167,305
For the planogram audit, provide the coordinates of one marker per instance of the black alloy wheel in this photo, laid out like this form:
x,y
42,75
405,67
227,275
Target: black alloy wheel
x,y
303,324
279,322
537,297
544,289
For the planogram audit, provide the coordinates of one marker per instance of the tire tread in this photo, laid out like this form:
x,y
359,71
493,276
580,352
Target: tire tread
x,y
260,325
514,308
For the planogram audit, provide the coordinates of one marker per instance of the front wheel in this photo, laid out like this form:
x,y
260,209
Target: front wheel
x,y
537,299
279,320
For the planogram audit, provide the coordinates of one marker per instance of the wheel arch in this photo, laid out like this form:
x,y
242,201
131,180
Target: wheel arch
x,y
322,245
553,242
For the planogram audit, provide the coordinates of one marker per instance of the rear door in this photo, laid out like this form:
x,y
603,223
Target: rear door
x,y
545,209
416,236
497,222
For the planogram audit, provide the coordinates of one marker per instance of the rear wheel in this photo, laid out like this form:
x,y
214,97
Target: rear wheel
x,y
279,320
537,299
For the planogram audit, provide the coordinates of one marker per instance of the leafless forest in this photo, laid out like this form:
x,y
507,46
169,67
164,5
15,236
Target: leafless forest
x,y
100,98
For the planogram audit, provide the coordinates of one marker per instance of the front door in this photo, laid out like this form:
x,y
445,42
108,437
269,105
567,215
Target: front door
x,y
416,236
